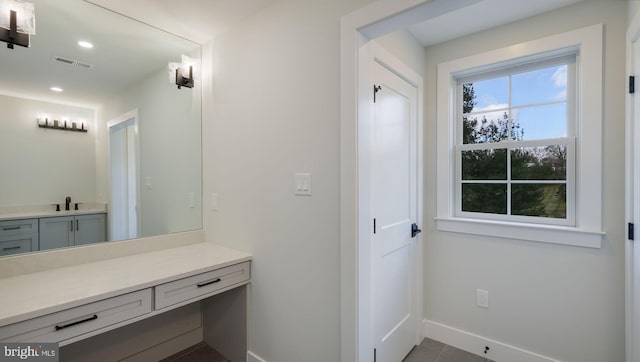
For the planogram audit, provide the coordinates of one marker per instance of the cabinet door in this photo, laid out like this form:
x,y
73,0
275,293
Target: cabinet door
x,y
90,229
56,232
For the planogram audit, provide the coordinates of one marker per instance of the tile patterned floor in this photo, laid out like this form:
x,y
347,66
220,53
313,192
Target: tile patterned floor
x,y
434,351
428,351
198,353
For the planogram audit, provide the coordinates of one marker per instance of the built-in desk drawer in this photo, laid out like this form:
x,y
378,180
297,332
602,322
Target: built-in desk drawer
x,y
59,326
202,284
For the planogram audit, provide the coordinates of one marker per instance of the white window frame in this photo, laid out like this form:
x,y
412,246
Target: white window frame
x,y
570,59
586,227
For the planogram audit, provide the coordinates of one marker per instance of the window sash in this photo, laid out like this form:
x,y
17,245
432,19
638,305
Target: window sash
x,y
570,182
570,60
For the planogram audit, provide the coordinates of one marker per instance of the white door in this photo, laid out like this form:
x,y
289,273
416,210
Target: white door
x,y
124,180
394,208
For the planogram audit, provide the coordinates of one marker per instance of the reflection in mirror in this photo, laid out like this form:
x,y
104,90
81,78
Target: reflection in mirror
x,y
94,125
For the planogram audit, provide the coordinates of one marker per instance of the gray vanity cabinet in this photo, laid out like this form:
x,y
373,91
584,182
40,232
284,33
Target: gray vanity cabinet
x,y
90,228
56,232
63,231
18,236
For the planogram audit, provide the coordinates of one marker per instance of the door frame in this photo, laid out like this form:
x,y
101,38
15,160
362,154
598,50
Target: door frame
x,y
356,31
133,114
632,207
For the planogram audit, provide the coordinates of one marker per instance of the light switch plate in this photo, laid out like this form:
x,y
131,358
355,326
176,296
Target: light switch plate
x,y
192,200
302,184
482,298
214,202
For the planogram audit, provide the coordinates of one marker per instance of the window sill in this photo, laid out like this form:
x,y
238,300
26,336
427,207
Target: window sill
x,y
530,232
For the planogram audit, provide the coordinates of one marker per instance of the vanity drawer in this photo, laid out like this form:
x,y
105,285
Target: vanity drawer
x,y
18,227
18,244
56,327
198,285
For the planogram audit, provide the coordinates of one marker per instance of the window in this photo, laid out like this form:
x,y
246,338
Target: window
x,y
519,141
515,143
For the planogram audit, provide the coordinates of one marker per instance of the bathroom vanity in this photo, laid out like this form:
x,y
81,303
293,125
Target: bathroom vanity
x,y
22,232
142,301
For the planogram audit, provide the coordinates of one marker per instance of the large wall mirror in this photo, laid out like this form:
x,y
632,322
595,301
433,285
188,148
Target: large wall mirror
x,y
91,115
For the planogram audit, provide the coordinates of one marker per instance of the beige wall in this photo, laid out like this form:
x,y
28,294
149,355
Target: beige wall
x,y
276,99
634,6
170,152
560,301
42,166
275,112
406,48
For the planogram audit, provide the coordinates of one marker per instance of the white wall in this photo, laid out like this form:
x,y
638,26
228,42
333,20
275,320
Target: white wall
x,y
404,46
170,152
634,7
275,104
560,301
43,166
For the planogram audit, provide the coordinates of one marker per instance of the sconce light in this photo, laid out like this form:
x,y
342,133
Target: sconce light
x,y
182,73
64,125
17,22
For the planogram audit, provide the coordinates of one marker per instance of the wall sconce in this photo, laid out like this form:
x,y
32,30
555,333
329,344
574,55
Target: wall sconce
x,y
17,22
182,73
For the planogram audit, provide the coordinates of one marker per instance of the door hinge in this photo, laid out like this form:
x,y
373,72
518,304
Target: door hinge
x,y
632,84
374,225
375,357
376,89
630,231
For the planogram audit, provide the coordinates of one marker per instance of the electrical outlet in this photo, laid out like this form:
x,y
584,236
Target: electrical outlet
x,y
482,298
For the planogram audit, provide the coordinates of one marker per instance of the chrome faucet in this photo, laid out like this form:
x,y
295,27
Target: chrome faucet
x,y
67,203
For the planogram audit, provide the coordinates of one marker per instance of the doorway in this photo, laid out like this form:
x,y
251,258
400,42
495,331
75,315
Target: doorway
x,y
633,195
124,176
357,51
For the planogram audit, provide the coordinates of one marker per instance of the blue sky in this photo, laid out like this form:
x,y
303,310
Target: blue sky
x,y
529,89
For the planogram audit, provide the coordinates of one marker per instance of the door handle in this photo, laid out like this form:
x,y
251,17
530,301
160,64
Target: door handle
x,y
414,230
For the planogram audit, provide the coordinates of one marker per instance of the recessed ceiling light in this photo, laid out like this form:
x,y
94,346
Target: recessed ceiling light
x,y
85,44
56,89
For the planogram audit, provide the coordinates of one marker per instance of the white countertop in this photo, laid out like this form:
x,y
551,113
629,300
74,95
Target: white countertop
x,y
15,215
32,295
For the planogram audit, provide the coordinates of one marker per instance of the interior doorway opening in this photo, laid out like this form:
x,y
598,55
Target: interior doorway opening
x,y
124,177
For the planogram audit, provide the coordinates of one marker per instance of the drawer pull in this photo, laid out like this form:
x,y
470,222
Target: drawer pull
x,y
94,317
11,228
11,248
209,283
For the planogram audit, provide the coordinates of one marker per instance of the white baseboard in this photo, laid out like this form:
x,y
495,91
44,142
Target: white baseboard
x,y
252,357
476,344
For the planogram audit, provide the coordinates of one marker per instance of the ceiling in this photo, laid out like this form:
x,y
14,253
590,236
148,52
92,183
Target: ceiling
x,y
127,50
480,16
198,20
